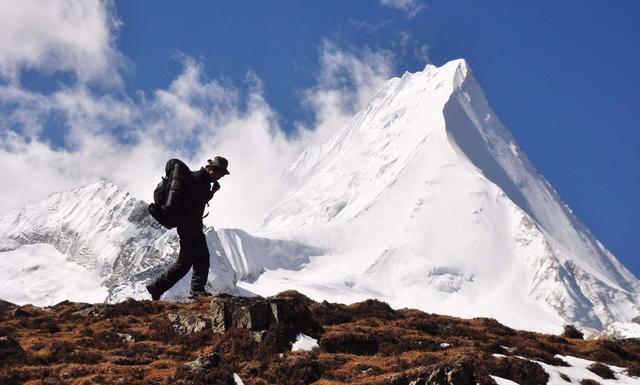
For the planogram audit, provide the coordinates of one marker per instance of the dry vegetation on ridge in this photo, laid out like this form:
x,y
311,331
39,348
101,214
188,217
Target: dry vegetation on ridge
x,y
135,342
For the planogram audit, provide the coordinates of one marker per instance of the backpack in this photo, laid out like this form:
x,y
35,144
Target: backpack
x,y
169,194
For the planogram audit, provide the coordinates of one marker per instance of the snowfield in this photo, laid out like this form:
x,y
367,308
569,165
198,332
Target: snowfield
x,y
40,274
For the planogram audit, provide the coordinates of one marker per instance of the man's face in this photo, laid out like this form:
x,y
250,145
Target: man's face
x,y
215,173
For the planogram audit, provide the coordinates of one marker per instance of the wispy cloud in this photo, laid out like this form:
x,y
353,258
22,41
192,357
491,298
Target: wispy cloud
x,y
410,7
422,53
346,81
110,135
53,36
363,25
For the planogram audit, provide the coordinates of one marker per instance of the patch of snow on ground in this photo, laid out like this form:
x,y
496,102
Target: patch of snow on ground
x,y
40,275
304,342
237,379
577,372
503,381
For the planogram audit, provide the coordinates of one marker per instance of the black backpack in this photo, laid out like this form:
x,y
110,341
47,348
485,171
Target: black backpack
x,y
168,197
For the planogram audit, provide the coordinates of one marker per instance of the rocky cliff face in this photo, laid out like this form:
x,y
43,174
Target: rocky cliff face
x,y
290,339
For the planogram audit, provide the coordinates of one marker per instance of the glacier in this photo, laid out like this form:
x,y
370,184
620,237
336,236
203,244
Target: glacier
x,y
423,200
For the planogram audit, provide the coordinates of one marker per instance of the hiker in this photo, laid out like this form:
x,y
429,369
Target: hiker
x,y
196,191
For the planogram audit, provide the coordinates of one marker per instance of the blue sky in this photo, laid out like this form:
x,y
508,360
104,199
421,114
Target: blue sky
x,y
562,76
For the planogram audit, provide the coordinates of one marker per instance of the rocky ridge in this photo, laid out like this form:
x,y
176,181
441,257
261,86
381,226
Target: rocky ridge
x,y
248,340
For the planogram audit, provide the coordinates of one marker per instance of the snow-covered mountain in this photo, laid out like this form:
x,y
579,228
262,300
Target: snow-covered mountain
x,y
423,200
427,200
97,231
98,243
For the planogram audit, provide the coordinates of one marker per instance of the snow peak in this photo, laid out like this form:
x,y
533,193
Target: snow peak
x,y
169,194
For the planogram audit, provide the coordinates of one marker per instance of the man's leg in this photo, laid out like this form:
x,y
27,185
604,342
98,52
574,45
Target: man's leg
x,y
200,260
173,274
179,268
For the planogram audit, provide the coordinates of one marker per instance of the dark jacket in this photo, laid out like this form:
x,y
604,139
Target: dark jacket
x,y
198,194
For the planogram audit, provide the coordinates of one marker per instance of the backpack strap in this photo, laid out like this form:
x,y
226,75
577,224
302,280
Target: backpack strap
x,y
207,214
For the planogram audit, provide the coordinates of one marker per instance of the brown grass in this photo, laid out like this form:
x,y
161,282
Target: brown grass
x,y
602,370
571,331
364,343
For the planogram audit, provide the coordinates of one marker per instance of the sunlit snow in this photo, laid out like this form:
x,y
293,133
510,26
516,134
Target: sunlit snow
x,y
40,274
237,379
304,342
578,371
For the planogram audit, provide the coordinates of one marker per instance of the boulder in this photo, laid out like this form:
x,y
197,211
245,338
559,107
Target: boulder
x,y
19,313
460,374
259,336
204,363
278,319
253,313
228,312
254,316
281,309
437,377
98,311
189,324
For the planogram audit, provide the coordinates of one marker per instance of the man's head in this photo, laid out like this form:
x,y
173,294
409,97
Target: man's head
x,y
217,168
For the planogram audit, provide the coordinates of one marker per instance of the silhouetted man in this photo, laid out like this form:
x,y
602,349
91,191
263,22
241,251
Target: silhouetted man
x,y
198,190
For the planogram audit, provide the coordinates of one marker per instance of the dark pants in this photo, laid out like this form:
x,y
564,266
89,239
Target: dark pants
x,y
193,252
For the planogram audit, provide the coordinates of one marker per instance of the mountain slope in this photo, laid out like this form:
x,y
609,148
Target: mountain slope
x,y
250,256
428,201
109,236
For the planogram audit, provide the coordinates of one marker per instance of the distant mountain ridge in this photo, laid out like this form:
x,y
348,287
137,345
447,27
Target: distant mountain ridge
x,y
107,231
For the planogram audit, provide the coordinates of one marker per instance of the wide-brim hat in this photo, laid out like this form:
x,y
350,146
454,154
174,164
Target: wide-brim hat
x,y
219,163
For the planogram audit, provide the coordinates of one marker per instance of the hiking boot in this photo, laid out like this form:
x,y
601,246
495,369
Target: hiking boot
x,y
195,294
155,294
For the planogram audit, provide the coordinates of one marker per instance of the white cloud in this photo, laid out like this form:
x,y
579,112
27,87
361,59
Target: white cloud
x,y
410,7
127,141
52,36
190,107
347,80
28,112
35,170
423,53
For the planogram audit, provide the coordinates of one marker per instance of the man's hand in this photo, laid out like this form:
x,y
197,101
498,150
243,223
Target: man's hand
x,y
215,187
